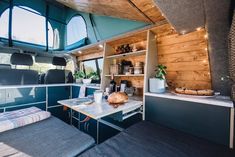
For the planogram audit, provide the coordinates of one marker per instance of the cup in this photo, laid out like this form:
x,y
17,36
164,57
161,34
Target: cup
x,y
98,95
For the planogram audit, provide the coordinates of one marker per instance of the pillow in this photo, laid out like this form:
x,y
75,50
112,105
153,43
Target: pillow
x,y
14,119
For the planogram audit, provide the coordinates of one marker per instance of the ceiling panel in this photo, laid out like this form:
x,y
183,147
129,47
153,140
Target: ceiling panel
x,y
114,8
149,8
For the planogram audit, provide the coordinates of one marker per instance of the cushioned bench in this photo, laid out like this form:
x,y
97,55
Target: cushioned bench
x,y
50,137
148,140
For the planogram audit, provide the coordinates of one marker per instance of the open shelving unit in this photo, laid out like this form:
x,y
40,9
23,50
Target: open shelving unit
x,y
133,54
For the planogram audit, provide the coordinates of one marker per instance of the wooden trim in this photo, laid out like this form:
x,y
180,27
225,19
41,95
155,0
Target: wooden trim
x,y
231,140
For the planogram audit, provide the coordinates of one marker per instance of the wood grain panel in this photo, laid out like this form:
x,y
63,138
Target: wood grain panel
x,y
186,57
149,8
135,38
89,53
114,8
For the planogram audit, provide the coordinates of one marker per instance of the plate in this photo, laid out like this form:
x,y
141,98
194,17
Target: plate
x,y
195,96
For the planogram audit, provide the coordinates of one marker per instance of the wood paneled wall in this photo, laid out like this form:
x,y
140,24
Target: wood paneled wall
x,y
186,57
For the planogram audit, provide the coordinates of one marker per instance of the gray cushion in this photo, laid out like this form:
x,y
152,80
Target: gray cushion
x,y
47,138
18,77
148,140
21,59
55,76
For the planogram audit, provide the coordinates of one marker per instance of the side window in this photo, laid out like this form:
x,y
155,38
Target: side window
x,y
4,24
93,68
29,26
76,30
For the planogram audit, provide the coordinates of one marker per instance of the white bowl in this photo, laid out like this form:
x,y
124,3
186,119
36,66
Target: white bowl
x,y
86,81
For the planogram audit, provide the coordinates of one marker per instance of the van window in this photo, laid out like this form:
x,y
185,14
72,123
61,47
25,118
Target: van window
x,y
76,30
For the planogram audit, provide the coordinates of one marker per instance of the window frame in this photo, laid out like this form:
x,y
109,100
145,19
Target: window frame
x,y
67,31
10,40
97,68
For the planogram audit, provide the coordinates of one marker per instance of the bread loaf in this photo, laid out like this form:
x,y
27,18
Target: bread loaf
x,y
117,98
205,92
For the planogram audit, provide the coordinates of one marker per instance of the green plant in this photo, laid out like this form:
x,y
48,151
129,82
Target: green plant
x,y
79,75
93,76
161,72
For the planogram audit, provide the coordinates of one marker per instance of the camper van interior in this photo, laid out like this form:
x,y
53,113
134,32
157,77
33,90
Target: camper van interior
x,y
117,78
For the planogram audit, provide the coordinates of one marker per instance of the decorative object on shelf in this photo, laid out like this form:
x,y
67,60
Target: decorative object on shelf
x,y
158,84
123,85
205,92
130,91
117,98
131,70
79,75
138,68
115,68
123,49
125,67
112,84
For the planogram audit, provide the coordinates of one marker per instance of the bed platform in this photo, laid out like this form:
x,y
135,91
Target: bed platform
x,y
50,137
145,139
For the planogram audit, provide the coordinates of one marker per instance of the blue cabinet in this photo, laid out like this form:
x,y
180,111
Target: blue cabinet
x,y
57,93
206,121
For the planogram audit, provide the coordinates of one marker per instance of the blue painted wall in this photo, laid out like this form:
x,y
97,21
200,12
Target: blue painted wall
x,y
106,27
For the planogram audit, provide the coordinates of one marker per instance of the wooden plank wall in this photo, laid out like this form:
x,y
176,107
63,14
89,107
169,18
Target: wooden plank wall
x,y
186,57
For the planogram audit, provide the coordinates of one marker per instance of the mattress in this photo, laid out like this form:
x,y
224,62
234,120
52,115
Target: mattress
x,y
48,138
148,140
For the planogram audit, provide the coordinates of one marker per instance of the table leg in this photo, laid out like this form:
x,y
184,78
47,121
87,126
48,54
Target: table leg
x,y
231,128
97,132
71,116
79,119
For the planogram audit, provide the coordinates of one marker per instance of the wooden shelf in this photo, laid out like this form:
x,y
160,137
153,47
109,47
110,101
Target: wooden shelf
x,y
137,53
131,75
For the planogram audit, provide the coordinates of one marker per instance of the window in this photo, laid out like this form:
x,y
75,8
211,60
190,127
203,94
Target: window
x,y
76,30
30,26
93,66
27,26
4,24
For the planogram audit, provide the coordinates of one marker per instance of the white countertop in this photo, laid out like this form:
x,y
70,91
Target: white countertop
x,y
49,85
97,111
223,101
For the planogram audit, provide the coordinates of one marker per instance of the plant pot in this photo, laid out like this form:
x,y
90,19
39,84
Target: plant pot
x,y
86,81
156,85
79,80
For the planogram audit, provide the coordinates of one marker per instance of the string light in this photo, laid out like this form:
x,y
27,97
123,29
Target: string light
x,y
79,52
199,28
206,36
183,32
100,45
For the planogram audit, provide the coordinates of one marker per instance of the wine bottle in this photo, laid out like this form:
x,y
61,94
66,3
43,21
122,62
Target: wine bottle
x,y
112,84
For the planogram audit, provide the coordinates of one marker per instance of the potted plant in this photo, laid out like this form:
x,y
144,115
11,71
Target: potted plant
x,y
157,84
91,76
79,76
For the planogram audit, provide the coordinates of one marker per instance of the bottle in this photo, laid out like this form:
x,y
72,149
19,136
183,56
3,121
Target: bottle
x,y
112,84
